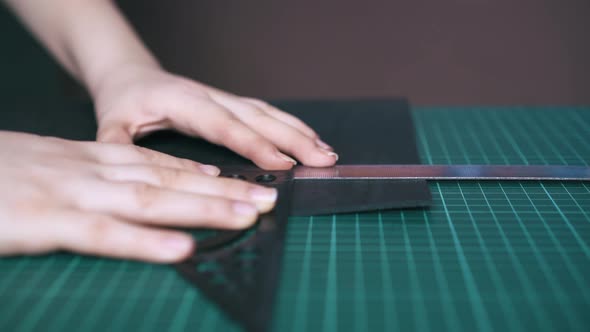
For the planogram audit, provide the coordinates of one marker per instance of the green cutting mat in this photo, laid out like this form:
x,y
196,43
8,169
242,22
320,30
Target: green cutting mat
x,y
506,256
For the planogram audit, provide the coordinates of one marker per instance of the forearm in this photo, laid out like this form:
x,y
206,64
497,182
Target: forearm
x,y
90,38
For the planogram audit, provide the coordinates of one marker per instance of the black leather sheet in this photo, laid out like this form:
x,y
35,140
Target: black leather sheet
x,y
362,132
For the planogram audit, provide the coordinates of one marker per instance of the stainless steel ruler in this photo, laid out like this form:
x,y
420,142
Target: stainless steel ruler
x,y
445,172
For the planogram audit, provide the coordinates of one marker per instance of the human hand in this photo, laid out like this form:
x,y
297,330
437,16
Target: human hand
x,y
113,199
139,99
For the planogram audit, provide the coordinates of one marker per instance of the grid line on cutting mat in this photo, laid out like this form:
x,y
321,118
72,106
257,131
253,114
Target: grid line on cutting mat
x,y
479,311
503,296
487,255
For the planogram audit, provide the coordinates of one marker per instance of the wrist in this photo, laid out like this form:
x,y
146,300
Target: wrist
x,y
118,73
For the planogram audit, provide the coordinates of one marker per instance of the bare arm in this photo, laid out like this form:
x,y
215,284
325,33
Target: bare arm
x,y
89,38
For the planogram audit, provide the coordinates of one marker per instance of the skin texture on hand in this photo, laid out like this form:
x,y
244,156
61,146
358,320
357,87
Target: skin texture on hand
x,y
138,100
113,200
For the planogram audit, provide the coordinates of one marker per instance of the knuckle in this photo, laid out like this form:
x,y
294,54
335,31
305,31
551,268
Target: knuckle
x,y
306,151
307,143
256,112
235,188
215,209
102,236
297,141
147,155
98,232
154,157
166,177
189,164
258,102
109,172
225,130
215,112
145,196
259,149
119,153
241,188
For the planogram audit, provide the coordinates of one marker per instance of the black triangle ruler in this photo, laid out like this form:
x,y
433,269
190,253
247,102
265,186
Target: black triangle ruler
x,y
239,270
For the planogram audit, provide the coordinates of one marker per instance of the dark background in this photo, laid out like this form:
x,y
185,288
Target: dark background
x,y
453,52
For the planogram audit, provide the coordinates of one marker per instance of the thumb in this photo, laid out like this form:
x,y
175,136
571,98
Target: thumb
x,y
114,133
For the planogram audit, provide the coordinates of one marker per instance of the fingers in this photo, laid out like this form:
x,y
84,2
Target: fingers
x,y
249,127
103,235
176,179
219,126
154,205
291,135
290,140
93,234
119,154
283,116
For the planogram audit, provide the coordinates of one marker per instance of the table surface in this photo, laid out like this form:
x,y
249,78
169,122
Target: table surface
x,y
486,256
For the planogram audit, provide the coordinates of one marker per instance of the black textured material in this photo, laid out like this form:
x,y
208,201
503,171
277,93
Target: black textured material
x,y
71,120
362,132
323,197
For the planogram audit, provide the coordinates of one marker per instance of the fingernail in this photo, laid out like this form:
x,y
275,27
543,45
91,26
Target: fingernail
x,y
323,145
331,154
287,158
264,198
245,209
175,246
210,169
263,194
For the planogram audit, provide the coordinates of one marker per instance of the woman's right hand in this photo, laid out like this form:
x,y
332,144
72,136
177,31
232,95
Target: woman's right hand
x,y
113,200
